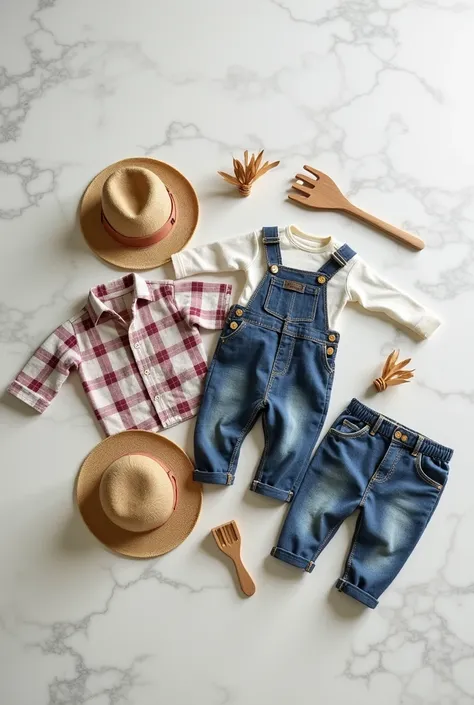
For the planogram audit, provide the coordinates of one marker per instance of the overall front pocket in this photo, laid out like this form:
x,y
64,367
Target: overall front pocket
x,y
291,300
229,333
328,356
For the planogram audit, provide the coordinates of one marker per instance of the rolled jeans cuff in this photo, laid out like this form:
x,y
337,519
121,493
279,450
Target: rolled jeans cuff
x,y
291,558
357,593
213,478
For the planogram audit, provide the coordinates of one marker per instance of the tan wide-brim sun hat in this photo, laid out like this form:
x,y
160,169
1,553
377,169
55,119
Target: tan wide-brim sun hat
x,y
136,494
137,212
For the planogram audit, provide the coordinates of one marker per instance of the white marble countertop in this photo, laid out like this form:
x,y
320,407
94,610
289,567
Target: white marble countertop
x,y
376,93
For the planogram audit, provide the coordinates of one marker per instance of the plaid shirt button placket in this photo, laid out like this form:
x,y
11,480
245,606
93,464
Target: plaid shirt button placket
x,y
137,349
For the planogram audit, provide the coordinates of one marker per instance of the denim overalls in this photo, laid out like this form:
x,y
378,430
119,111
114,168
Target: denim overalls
x,y
276,358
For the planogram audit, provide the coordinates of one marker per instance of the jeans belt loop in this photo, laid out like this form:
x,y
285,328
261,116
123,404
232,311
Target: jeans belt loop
x,y
417,447
376,426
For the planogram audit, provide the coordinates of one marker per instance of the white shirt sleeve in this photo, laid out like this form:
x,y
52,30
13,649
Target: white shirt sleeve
x,y
233,254
372,292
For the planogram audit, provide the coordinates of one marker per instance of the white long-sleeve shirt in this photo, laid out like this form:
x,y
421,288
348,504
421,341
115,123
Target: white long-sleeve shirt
x,y
357,281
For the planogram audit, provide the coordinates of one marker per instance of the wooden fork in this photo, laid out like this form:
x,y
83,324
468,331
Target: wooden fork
x,y
228,539
323,194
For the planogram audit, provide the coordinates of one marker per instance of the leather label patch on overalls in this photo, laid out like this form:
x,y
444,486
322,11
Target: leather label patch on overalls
x,y
293,286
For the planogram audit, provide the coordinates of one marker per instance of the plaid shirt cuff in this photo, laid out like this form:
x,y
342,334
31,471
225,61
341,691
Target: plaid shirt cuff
x,y
27,396
224,305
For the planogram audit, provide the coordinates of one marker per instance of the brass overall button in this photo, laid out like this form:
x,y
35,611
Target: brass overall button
x,y
234,325
274,268
239,312
332,338
321,279
398,435
404,438
330,351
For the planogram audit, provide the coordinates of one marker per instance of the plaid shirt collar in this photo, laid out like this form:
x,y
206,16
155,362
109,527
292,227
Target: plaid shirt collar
x,y
99,295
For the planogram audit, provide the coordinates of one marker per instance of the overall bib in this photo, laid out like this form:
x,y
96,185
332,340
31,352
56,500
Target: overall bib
x,y
275,357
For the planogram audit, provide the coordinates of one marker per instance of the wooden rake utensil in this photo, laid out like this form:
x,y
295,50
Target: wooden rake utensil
x,y
322,193
228,539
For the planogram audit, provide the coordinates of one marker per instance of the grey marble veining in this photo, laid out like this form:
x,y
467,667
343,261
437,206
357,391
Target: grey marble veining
x,y
377,94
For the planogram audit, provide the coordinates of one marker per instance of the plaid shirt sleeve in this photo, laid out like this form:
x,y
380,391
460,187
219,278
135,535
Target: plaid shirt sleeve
x,y
44,374
203,304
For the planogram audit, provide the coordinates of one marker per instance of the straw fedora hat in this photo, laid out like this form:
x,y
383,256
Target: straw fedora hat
x,y
137,212
136,494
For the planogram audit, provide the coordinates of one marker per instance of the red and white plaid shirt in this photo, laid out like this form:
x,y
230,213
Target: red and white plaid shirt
x,y
138,351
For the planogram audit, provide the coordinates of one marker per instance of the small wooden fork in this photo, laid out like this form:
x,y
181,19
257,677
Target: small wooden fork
x,y
323,194
228,539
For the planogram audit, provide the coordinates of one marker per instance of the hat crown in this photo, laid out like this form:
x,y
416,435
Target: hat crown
x,y
137,493
135,201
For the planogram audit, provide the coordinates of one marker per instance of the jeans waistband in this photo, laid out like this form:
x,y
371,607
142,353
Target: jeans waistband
x,y
388,427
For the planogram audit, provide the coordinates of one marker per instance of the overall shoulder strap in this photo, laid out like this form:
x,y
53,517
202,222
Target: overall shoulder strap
x,y
337,261
271,241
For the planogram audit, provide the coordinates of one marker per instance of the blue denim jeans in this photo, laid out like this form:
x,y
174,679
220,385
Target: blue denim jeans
x,y
275,358
393,475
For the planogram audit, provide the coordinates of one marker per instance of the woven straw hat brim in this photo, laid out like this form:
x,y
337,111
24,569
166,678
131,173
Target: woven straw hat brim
x,y
152,543
138,258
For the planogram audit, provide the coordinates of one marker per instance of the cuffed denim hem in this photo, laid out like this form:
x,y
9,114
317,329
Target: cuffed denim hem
x,y
292,559
358,594
270,491
213,478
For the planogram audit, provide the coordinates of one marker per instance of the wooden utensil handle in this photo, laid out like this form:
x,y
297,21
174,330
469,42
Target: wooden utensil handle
x,y
391,230
246,582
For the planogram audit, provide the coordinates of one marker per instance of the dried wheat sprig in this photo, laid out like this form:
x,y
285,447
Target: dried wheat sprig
x,y
393,372
246,174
